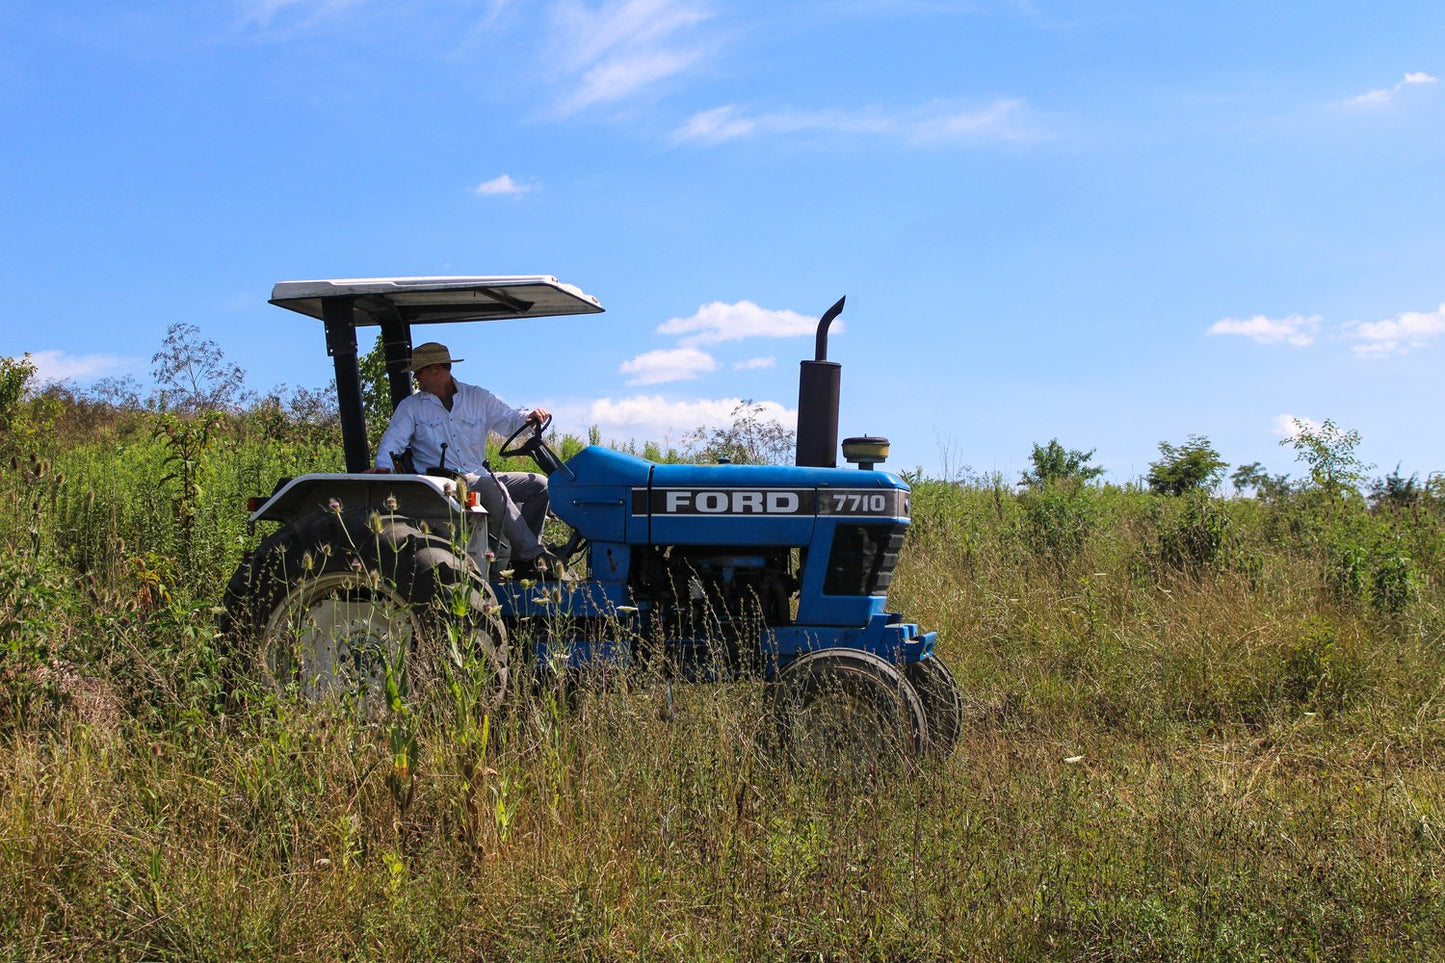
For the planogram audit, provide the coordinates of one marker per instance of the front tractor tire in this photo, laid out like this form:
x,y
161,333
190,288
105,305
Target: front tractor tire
x,y
942,702
334,604
846,714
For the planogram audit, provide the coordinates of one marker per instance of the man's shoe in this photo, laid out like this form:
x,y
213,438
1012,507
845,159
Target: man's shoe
x,y
543,566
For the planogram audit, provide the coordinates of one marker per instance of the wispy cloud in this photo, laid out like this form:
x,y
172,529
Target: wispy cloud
x,y
54,365
718,322
656,417
1386,95
1296,330
501,185
300,13
1397,335
933,124
673,364
753,364
615,50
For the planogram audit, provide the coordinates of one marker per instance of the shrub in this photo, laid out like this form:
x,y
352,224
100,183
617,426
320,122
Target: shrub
x,y
1192,466
1347,572
1195,539
15,378
1329,451
1394,583
1057,521
1395,492
1318,671
1266,486
1055,463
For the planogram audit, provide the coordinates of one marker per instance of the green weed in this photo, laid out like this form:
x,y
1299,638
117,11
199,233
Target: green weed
x,y
1194,729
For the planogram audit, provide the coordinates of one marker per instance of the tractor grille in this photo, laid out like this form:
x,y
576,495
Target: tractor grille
x,y
862,559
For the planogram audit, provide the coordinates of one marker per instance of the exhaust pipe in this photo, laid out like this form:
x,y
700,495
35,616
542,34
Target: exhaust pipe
x,y
818,392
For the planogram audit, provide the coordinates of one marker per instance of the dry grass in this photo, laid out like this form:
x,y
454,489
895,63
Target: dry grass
x,y
1231,763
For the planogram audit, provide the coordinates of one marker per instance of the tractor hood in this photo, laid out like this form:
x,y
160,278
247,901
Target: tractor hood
x,y
434,300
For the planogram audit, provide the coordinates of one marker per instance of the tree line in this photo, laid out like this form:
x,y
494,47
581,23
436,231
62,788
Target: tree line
x,y
191,375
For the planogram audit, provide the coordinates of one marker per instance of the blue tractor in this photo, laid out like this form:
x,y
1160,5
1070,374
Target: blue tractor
x,y
708,573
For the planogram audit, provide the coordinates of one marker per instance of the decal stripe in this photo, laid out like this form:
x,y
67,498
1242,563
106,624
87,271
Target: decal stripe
x,y
771,502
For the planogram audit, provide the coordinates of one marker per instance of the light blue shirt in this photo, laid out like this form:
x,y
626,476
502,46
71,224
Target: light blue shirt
x,y
422,422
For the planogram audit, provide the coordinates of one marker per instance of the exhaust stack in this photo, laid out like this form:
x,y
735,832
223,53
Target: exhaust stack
x,y
818,392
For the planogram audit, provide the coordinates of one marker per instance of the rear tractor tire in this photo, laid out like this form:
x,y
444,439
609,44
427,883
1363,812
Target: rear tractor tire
x,y
848,715
335,603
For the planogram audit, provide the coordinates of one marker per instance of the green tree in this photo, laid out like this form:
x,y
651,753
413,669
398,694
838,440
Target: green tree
x,y
1396,491
1192,466
1329,451
751,439
1054,463
15,375
1254,475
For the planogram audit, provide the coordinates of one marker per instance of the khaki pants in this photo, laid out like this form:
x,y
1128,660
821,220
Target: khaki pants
x,y
517,508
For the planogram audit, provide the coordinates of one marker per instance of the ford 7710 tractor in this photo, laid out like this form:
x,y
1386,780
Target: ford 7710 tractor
x,y
712,572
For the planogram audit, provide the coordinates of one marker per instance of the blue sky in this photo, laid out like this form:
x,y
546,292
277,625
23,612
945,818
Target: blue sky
x,y
1113,222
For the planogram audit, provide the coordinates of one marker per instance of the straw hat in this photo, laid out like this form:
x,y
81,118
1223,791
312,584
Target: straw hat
x,y
430,353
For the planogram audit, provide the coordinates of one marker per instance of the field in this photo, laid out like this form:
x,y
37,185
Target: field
x,y
1198,728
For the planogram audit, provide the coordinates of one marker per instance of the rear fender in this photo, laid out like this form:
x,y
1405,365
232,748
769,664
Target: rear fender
x,y
422,497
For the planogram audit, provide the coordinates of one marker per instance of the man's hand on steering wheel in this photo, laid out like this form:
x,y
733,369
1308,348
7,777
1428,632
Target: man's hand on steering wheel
x,y
535,424
535,447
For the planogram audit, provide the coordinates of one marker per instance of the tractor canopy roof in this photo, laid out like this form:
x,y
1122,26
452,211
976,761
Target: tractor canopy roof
x,y
433,300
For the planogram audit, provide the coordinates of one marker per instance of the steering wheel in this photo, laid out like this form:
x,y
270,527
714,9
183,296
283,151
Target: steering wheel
x,y
529,446
534,447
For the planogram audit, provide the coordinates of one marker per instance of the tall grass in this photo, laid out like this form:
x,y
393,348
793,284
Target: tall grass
x,y
1195,730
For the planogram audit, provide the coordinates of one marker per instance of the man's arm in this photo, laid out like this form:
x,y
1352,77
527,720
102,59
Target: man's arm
x,y
501,418
396,438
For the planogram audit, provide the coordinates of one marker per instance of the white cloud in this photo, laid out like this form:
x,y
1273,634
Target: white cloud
x,y
1296,329
1379,98
501,185
1289,426
621,78
715,126
1000,120
1397,335
674,364
619,48
653,417
1373,98
58,366
1373,339
717,322
752,364
934,124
